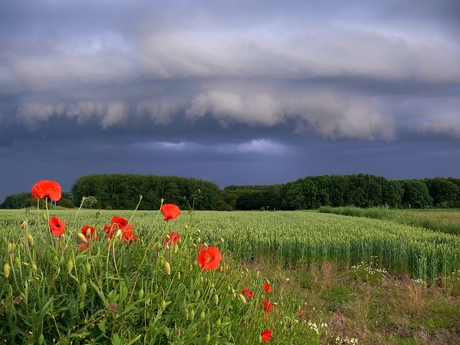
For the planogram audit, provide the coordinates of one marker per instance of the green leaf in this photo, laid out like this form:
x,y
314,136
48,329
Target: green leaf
x,y
101,326
116,340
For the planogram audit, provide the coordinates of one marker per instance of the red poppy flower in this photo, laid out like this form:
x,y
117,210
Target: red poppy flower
x,y
173,238
248,293
267,287
108,229
266,335
45,188
170,211
89,232
267,305
83,246
129,236
122,223
209,259
57,226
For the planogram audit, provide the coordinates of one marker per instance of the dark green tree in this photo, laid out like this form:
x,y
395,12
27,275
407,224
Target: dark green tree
x,y
338,187
15,201
392,194
416,194
443,191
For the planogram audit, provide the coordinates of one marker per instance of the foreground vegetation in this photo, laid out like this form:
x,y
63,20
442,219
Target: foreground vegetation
x,y
334,280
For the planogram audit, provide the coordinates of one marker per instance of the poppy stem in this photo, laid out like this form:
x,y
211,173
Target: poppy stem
x,y
76,214
47,215
140,200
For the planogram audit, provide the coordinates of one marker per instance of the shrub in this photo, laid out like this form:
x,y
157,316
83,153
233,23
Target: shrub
x,y
66,203
223,206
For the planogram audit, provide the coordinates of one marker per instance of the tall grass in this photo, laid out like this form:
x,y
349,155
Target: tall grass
x,y
399,216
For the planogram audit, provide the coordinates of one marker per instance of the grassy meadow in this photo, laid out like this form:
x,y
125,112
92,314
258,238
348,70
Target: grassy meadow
x,y
333,279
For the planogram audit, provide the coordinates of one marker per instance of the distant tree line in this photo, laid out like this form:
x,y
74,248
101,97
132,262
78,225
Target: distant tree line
x,y
360,190
23,200
122,191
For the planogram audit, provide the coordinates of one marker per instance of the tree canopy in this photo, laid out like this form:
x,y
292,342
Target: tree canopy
x,y
123,191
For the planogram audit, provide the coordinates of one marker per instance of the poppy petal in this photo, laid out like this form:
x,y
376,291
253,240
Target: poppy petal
x,y
57,226
170,211
45,188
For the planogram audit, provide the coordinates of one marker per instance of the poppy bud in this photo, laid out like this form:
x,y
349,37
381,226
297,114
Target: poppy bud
x,y
41,339
167,268
11,247
34,266
218,322
83,288
69,265
5,240
82,237
140,294
44,216
197,294
192,314
207,338
7,270
30,239
17,261
163,304
23,224
216,299
242,298
88,268
202,315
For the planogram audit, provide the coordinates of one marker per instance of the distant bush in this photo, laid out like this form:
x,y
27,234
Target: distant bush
x,y
32,202
89,202
223,206
66,203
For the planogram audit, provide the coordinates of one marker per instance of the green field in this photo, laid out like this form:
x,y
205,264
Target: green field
x,y
326,271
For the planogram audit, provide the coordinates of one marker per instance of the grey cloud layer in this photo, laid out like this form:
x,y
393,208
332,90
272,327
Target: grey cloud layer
x,y
257,63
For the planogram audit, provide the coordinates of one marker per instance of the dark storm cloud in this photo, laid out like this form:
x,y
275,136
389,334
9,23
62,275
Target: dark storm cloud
x,y
210,82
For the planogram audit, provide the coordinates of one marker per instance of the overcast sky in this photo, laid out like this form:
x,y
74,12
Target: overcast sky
x,y
236,92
